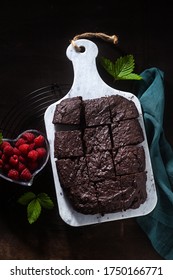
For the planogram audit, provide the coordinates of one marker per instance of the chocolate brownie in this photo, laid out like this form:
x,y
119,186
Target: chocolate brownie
x,y
129,159
127,132
83,198
134,190
72,171
109,194
98,138
122,108
68,111
100,166
68,144
97,111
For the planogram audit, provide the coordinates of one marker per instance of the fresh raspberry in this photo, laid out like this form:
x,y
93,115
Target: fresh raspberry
x,y
13,174
26,174
33,155
21,166
8,150
1,163
4,158
32,165
24,149
28,136
39,140
31,146
41,152
3,144
19,142
16,151
0,153
14,160
6,167
22,159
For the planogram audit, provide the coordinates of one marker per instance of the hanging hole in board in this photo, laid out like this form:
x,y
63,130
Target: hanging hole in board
x,y
82,49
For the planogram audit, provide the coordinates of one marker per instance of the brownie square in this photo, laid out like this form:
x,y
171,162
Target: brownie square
x,y
72,171
129,159
83,198
109,196
68,144
98,138
134,190
127,132
122,108
97,111
68,111
100,166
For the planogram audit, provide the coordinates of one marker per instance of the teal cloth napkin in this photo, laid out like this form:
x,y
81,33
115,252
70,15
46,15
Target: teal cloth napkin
x,y
158,225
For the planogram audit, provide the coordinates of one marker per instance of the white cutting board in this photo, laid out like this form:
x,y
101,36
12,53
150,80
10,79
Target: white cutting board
x,y
88,84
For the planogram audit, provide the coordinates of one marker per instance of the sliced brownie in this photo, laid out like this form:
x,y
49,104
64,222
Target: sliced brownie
x,y
122,108
83,198
72,171
68,144
109,194
98,138
97,111
100,166
134,190
68,111
127,132
129,159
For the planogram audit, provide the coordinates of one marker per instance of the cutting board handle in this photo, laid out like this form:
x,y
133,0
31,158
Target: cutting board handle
x,y
87,80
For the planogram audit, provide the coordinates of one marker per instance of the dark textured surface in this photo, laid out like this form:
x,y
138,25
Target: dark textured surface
x,y
34,37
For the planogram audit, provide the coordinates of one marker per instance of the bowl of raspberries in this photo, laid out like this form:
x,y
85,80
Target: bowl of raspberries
x,y
21,159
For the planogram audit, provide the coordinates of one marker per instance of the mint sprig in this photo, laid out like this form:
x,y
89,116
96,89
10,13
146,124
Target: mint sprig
x,y
122,69
34,204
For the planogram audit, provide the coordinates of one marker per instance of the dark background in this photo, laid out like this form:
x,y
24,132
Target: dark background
x,y
34,36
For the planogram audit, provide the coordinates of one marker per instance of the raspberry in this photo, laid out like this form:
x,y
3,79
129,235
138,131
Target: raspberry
x,y
8,150
6,167
32,165
28,136
26,174
39,141
1,163
33,155
31,146
14,160
4,143
16,151
41,152
19,142
4,158
24,148
13,174
21,166
22,159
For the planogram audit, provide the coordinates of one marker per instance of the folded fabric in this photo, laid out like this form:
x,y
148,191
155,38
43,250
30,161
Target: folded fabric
x,y
158,225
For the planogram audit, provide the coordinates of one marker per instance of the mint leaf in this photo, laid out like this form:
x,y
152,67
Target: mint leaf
x,y
122,69
35,203
124,66
33,210
45,201
109,66
26,198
